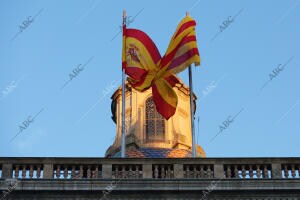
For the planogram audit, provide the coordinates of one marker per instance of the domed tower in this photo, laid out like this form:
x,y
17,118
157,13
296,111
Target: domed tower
x,y
148,134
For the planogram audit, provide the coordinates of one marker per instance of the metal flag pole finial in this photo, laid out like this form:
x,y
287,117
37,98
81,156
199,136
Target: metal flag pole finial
x,y
123,102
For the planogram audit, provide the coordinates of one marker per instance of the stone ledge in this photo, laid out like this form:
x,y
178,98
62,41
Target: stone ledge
x,y
154,185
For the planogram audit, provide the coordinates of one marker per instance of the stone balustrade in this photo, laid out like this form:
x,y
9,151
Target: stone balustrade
x,y
198,171
248,171
127,171
27,171
162,171
76,171
141,178
290,170
141,168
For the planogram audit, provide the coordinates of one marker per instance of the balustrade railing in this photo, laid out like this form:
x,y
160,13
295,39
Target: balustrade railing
x,y
142,168
75,171
127,171
248,171
27,171
198,171
162,171
290,170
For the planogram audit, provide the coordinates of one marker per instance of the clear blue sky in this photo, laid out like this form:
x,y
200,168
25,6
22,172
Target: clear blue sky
x,y
76,120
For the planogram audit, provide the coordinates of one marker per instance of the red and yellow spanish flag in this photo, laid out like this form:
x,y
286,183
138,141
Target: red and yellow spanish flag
x,y
146,68
141,58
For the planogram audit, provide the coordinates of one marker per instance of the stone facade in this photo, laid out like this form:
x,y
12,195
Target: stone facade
x,y
137,178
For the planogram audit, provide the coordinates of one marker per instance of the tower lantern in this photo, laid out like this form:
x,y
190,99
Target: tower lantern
x,y
148,134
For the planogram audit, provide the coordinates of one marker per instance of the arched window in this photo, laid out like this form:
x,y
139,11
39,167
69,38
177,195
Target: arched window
x,y
155,123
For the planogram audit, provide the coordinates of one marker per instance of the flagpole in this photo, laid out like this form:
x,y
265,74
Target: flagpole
x,y
192,112
194,153
123,102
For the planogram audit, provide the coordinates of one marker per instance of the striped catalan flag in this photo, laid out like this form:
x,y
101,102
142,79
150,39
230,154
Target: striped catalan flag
x,y
182,50
146,68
